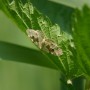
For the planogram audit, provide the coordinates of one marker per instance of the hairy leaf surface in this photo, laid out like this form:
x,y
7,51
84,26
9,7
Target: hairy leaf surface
x,y
27,16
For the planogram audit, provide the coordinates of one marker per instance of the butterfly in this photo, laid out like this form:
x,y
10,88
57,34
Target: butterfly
x,y
44,43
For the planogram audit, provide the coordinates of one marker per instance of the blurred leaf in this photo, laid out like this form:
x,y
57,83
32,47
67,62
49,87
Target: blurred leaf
x,y
65,2
81,33
27,16
18,53
72,3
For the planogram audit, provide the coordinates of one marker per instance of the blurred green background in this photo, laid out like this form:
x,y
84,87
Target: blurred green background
x,y
20,76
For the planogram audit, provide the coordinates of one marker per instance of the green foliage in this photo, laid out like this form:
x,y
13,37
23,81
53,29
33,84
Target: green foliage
x,y
18,53
27,16
81,31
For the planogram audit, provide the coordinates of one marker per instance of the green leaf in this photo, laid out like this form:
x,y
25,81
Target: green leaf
x,y
27,16
72,3
81,31
18,53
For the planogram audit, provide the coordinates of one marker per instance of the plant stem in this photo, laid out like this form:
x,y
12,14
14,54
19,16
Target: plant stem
x,y
79,83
